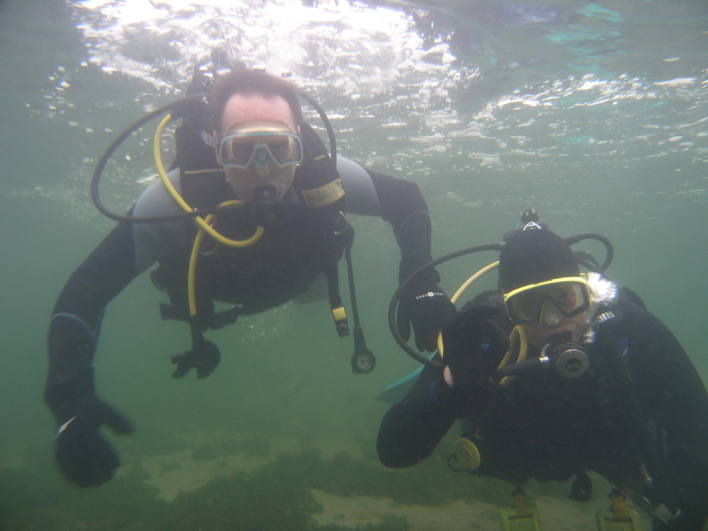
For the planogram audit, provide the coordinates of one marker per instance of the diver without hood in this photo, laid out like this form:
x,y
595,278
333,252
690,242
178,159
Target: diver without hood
x,y
252,213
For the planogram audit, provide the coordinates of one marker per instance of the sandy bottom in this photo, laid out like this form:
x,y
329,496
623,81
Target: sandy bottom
x,y
554,514
456,516
177,471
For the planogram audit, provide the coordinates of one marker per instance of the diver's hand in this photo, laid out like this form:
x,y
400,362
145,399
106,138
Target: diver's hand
x,y
204,357
81,452
473,346
426,306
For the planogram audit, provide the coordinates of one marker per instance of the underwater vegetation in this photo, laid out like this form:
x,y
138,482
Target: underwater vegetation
x,y
260,501
36,498
276,496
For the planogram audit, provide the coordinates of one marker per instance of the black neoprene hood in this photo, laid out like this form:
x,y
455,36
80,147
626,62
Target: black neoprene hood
x,y
535,255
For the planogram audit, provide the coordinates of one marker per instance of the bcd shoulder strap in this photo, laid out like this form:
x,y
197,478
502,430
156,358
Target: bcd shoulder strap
x,y
317,181
319,187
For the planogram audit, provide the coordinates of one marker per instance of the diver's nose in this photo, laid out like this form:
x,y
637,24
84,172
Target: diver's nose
x,y
262,161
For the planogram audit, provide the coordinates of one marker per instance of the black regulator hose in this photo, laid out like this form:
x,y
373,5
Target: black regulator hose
x,y
572,240
327,124
397,295
100,166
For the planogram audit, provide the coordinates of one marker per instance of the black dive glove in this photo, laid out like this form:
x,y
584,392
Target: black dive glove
x,y
82,453
473,346
425,305
204,357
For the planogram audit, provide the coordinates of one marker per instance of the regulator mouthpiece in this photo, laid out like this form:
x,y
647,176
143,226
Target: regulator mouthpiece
x,y
568,359
265,194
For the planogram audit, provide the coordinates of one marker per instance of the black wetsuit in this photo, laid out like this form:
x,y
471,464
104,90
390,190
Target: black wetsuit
x,y
546,428
295,248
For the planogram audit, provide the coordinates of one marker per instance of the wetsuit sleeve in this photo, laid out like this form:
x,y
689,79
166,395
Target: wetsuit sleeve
x,y
76,320
675,402
411,429
404,207
128,250
397,201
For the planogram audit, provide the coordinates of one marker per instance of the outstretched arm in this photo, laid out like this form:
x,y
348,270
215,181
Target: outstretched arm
x,y
77,315
400,202
411,429
82,453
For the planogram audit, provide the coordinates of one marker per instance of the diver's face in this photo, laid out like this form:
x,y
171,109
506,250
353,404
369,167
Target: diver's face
x,y
539,335
548,308
239,111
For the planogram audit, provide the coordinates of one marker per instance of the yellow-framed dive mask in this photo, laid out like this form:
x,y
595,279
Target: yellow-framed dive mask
x,y
548,302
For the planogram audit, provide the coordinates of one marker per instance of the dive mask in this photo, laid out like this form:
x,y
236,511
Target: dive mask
x,y
548,302
260,143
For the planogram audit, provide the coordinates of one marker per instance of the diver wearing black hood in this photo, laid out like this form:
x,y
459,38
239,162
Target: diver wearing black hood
x,y
289,231
605,387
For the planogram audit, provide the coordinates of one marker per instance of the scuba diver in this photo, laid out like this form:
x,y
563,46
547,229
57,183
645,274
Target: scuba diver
x,y
276,203
557,373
